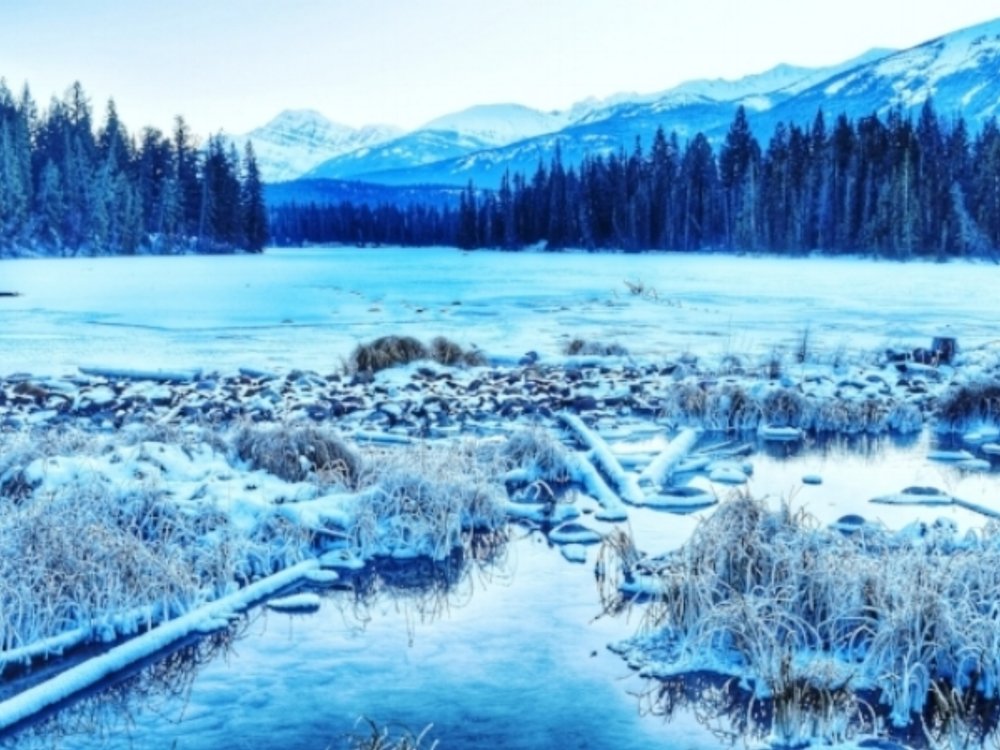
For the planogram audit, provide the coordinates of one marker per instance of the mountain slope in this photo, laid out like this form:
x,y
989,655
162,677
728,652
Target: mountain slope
x,y
958,71
406,152
500,124
297,140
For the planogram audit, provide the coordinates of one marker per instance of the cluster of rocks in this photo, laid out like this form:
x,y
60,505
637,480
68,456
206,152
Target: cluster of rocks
x,y
437,401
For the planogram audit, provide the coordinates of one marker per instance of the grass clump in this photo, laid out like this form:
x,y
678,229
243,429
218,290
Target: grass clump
x,y
375,737
446,352
90,555
688,402
731,407
385,352
784,407
814,618
537,453
392,351
422,501
296,453
971,402
582,347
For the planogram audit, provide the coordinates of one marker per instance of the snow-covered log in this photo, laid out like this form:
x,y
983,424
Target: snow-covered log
x,y
160,376
628,487
662,467
83,676
583,471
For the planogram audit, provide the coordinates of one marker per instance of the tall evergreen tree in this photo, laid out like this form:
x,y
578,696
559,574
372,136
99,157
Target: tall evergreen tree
x,y
255,229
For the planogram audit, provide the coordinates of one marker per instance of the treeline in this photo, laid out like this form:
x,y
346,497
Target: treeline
x,y
68,188
888,185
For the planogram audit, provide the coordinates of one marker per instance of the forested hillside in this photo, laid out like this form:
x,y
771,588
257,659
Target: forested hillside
x,y
885,185
68,188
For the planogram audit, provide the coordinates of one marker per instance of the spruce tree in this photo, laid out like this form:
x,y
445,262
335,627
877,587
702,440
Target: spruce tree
x,y
255,230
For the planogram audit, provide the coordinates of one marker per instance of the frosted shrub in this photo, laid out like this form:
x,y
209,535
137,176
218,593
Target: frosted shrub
x,y
296,453
419,501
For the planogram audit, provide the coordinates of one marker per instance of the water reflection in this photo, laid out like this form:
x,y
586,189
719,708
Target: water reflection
x,y
726,708
107,711
862,446
424,590
157,692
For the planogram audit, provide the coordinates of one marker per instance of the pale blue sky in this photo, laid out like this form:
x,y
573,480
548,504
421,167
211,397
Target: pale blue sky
x,y
233,64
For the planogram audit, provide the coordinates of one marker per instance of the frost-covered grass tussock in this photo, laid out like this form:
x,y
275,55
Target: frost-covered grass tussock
x,y
100,539
732,404
797,610
970,403
583,347
296,452
421,500
392,351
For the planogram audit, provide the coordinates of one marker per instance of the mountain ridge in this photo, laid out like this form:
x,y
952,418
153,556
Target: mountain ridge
x,y
958,70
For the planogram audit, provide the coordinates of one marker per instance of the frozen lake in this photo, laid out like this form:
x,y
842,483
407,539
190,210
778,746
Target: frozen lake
x,y
308,308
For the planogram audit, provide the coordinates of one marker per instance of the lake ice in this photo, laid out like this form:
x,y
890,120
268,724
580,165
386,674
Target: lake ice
x,y
308,308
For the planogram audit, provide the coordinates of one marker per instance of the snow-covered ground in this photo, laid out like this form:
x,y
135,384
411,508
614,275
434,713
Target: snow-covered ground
x,y
308,308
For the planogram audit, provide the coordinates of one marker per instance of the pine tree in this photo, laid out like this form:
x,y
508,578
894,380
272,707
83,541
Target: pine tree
x,y
739,174
255,230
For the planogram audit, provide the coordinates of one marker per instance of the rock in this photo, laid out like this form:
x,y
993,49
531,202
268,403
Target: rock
x,y
575,553
574,533
812,479
849,524
295,603
973,464
947,455
779,434
681,499
341,559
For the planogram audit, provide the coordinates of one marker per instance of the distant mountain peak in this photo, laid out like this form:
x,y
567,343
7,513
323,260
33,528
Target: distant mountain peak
x,y
499,124
297,140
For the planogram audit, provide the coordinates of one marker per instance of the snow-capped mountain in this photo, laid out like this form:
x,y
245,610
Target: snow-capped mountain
x,y
500,124
407,152
457,134
297,140
959,71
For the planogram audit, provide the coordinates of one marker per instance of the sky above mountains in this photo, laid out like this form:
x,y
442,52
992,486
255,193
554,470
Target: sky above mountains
x,y
231,65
